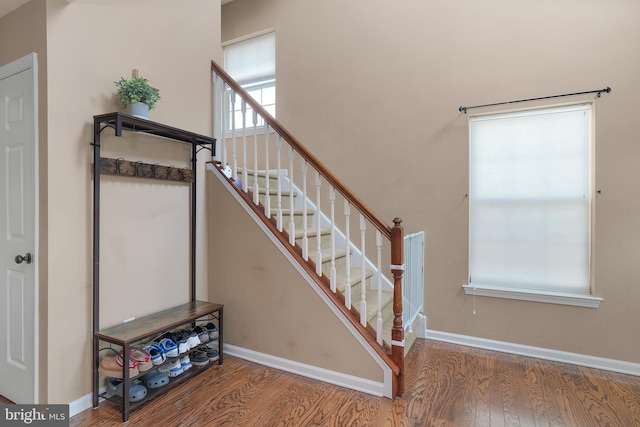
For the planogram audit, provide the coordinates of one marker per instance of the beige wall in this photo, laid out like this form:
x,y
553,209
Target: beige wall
x,y
21,32
374,86
89,44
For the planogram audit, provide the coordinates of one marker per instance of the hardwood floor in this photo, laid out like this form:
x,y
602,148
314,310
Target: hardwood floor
x,y
446,385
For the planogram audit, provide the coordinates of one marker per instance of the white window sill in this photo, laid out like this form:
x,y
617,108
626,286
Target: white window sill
x,y
564,298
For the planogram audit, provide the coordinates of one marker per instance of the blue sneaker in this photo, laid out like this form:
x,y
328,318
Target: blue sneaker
x,y
156,352
169,348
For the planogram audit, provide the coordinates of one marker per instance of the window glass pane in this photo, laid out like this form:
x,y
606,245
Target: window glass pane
x,y
269,95
256,94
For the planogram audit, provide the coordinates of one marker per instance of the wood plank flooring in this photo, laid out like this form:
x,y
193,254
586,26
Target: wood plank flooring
x,y
446,385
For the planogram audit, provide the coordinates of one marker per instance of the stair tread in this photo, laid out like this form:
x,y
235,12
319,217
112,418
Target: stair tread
x,y
371,297
355,277
261,172
312,232
296,212
274,192
326,254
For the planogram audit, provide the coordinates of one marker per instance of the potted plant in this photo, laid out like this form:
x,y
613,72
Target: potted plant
x,y
136,96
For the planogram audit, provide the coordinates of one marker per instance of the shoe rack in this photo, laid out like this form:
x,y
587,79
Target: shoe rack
x,y
129,334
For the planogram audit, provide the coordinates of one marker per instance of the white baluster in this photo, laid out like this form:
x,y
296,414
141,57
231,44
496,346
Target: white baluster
x,y
318,227
218,115
363,275
305,237
292,224
279,180
256,188
234,157
347,246
245,178
379,265
332,271
267,199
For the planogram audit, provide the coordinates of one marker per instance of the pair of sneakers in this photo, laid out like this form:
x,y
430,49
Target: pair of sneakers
x,y
205,354
207,333
177,343
176,366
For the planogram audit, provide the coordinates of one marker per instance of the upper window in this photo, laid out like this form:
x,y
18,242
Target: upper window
x,y
252,63
530,201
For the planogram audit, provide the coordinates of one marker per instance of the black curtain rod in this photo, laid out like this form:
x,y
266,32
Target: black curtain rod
x,y
598,91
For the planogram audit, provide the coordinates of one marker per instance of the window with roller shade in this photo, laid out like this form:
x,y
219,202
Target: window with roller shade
x,y
530,175
252,63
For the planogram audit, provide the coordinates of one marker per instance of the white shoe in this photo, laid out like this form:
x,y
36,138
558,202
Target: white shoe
x,y
185,362
172,369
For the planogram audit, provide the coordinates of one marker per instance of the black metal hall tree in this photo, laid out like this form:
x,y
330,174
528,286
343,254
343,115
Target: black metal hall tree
x,y
126,335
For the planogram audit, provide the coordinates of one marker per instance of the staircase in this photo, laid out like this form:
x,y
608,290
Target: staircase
x,y
306,240
339,243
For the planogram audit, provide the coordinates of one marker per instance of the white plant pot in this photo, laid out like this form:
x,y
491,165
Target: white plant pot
x,y
138,109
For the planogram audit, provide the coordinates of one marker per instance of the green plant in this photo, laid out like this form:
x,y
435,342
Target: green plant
x,y
136,89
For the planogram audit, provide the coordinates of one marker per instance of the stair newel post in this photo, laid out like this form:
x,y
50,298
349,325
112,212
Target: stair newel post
x,y
363,272
305,237
279,182
245,177
347,258
318,226
267,198
397,332
256,188
332,272
292,224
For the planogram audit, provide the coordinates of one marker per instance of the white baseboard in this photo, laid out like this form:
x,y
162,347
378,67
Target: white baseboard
x,y
612,365
337,378
83,403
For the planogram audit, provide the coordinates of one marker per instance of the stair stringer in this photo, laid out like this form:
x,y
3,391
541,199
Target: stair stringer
x,y
388,375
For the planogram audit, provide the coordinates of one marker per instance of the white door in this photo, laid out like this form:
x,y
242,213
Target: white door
x,y
18,231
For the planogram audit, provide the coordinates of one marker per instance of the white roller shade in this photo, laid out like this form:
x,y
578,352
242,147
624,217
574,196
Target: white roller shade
x,y
530,196
252,60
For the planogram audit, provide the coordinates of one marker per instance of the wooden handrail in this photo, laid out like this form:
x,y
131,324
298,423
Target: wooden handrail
x,y
304,152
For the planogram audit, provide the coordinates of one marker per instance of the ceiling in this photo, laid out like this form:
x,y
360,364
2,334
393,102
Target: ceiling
x,y
8,6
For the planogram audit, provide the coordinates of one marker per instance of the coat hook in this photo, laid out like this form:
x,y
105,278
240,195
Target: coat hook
x,y
138,164
154,168
119,161
169,168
